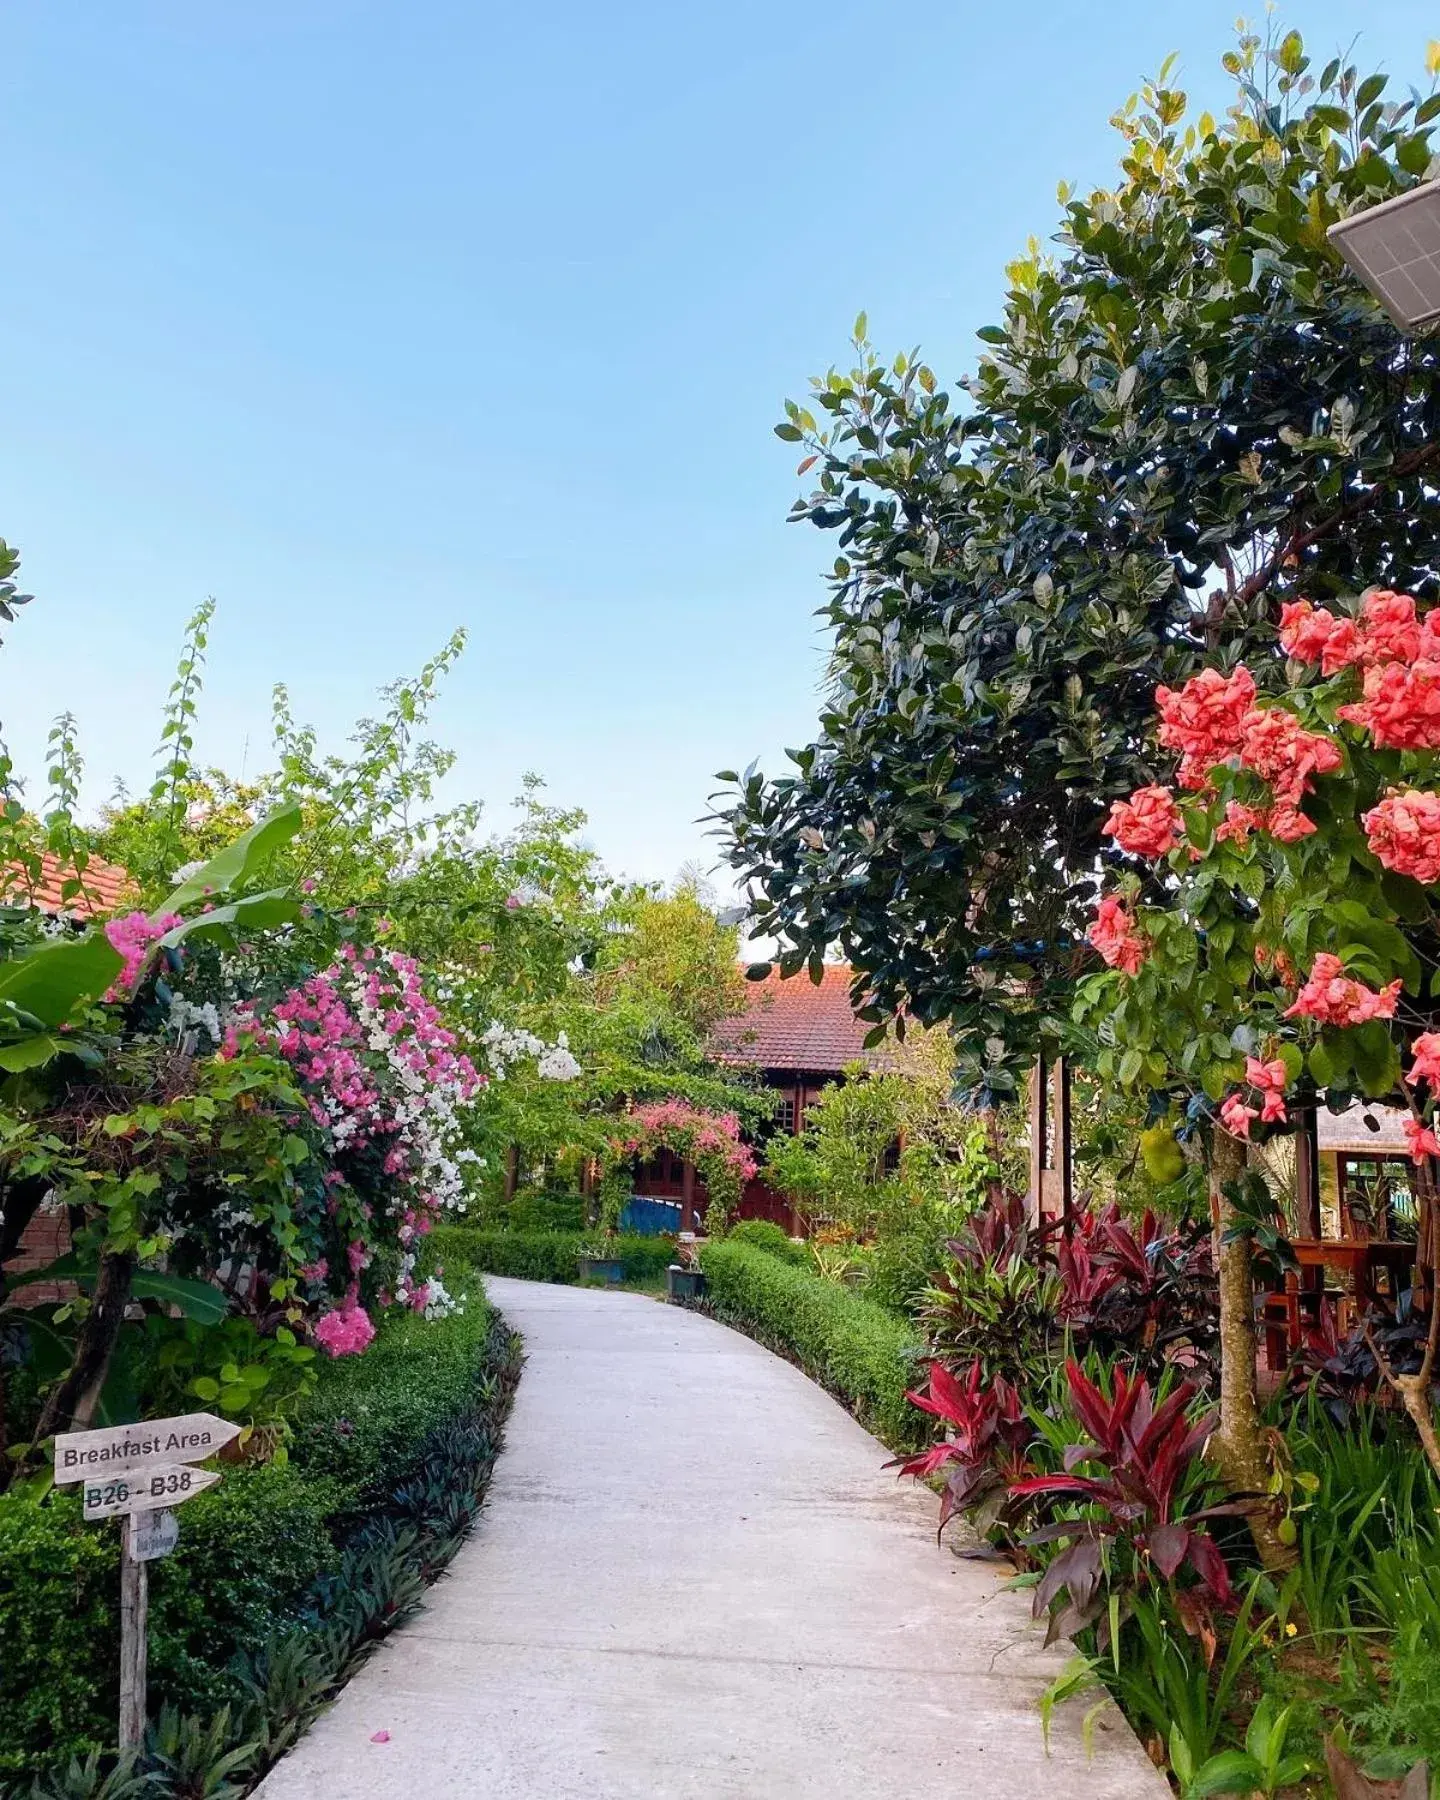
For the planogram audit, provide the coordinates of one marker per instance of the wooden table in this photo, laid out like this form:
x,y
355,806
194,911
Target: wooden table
x,y
1363,1260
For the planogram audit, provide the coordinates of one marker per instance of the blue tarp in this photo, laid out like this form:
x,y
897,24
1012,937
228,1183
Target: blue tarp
x,y
644,1217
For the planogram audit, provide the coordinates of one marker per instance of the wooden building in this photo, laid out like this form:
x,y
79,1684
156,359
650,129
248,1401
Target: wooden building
x,y
801,1036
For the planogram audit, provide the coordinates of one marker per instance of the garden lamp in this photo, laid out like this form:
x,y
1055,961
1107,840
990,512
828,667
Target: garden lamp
x,y
1395,250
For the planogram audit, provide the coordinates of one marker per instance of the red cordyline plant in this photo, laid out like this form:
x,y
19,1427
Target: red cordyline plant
x,y
1145,1291
984,1451
1143,1499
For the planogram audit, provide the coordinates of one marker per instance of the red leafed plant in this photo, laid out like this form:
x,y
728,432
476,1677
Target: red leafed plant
x,y
984,1450
1142,1501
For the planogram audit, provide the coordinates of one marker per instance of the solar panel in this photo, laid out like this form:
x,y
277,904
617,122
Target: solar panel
x,y
1395,250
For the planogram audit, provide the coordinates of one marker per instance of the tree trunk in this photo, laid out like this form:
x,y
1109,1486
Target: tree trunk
x,y
70,1404
1238,1447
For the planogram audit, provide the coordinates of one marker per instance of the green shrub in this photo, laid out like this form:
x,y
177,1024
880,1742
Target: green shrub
x,y
250,1550
405,1433
761,1234
526,1255
59,1628
859,1351
366,1424
898,1268
546,1212
544,1255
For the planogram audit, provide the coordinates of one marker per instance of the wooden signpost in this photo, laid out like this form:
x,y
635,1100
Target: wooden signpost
x,y
137,1473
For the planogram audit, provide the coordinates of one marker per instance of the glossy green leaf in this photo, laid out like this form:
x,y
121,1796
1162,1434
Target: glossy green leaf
x,y
239,863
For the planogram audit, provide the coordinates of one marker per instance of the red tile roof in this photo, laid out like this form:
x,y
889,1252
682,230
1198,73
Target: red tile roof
x,y
798,1024
106,888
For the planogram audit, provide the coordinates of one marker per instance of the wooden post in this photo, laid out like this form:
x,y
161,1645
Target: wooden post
x,y
687,1196
1051,1193
134,1607
512,1172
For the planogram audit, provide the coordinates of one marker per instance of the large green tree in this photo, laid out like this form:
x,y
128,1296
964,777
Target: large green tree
x,y
1190,413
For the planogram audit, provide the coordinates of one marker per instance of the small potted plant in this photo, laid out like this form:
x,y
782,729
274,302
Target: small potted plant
x,y
598,1262
685,1279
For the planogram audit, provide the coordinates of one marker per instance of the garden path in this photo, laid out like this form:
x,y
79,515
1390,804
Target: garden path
x,y
693,1581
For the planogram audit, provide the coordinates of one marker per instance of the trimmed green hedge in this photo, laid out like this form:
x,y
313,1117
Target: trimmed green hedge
x,y
864,1355
764,1234
260,1554
543,1255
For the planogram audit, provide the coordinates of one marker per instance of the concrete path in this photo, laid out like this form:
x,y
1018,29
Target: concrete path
x,y
693,1582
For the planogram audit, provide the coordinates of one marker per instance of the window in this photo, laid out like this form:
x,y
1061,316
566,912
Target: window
x,y
785,1119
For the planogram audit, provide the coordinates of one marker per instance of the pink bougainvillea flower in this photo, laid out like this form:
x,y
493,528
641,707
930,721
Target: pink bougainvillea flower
x,y
1315,634
1420,1140
1426,1052
380,1737
1116,936
1147,824
1335,998
1236,1116
1203,720
345,1331
132,935
1404,832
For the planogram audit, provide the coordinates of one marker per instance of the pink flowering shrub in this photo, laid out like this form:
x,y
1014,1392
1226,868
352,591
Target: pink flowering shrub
x,y
1335,998
132,934
1272,943
1149,823
1114,935
711,1141
1204,719
345,1330
1403,830
387,1088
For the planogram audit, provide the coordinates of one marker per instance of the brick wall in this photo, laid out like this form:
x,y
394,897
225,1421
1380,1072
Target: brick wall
x,y
46,1237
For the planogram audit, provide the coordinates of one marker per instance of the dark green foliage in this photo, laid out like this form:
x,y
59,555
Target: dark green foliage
x,y
546,1212
761,1234
545,1255
250,1550
59,1628
859,1351
281,1574
369,1422
1190,413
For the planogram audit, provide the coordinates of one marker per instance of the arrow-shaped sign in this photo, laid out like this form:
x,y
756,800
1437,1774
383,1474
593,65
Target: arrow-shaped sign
x,y
143,1490
88,1455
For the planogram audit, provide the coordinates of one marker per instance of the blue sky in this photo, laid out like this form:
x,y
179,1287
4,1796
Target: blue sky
x,y
376,319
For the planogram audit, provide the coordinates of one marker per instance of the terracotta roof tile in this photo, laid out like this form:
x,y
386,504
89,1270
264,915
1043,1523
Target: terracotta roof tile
x,y
798,1024
107,888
